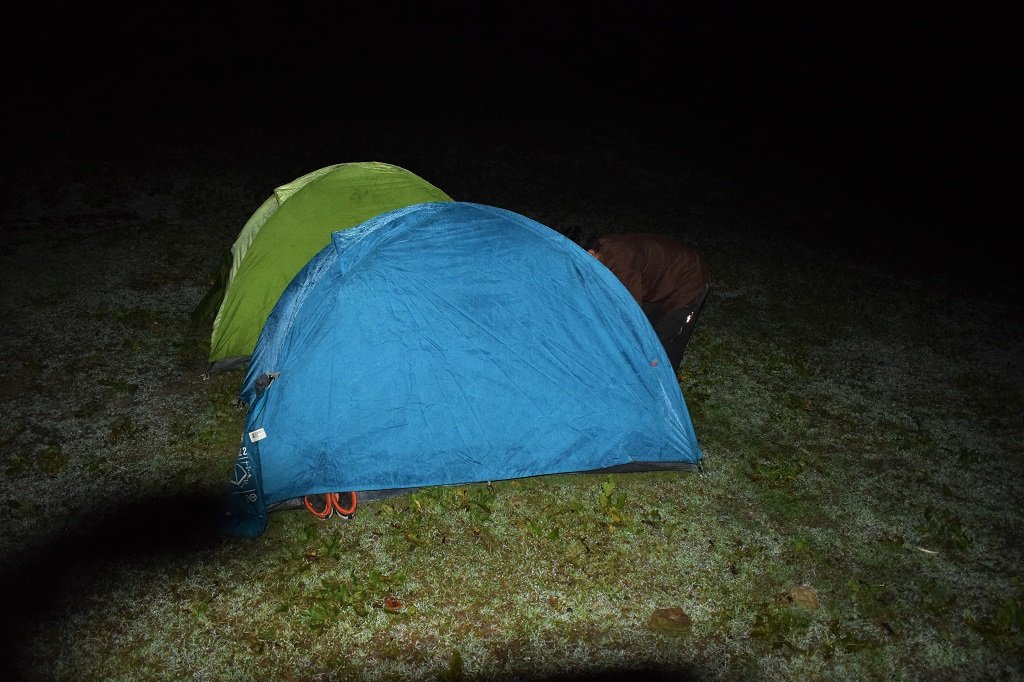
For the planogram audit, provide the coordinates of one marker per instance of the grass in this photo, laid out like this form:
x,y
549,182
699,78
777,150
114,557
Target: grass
x,y
857,515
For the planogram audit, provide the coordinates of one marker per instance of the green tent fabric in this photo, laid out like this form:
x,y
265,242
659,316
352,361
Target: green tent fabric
x,y
288,229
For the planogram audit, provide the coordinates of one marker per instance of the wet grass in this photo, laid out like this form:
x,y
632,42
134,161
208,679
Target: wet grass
x,y
857,515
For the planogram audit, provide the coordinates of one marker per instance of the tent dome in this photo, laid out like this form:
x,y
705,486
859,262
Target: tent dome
x,y
449,343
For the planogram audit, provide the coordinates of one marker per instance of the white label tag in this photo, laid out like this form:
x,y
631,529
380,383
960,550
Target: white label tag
x,y
257,435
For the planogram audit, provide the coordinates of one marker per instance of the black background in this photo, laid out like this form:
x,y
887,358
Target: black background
x,y
911,115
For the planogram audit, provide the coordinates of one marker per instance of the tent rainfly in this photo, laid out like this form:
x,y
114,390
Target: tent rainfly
x,y
289,228
449,343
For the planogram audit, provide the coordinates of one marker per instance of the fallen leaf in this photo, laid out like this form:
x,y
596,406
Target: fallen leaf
x,y
11,389
803,595
671,621
486,537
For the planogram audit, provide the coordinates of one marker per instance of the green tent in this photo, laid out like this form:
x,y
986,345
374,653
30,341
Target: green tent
x,y
280,237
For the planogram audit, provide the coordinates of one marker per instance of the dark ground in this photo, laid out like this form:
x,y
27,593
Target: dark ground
x,y
901,127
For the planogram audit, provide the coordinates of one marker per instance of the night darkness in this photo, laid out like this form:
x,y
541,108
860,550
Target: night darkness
x,y
908,118
889,136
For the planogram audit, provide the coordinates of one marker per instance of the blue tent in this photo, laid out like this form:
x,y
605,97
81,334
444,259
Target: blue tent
x,y
451,343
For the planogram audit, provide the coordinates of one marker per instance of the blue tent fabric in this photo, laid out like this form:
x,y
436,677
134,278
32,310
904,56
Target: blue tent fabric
x,y
451,343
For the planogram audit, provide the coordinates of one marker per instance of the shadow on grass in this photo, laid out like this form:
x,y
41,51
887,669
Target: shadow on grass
x,y
46,581
651,673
